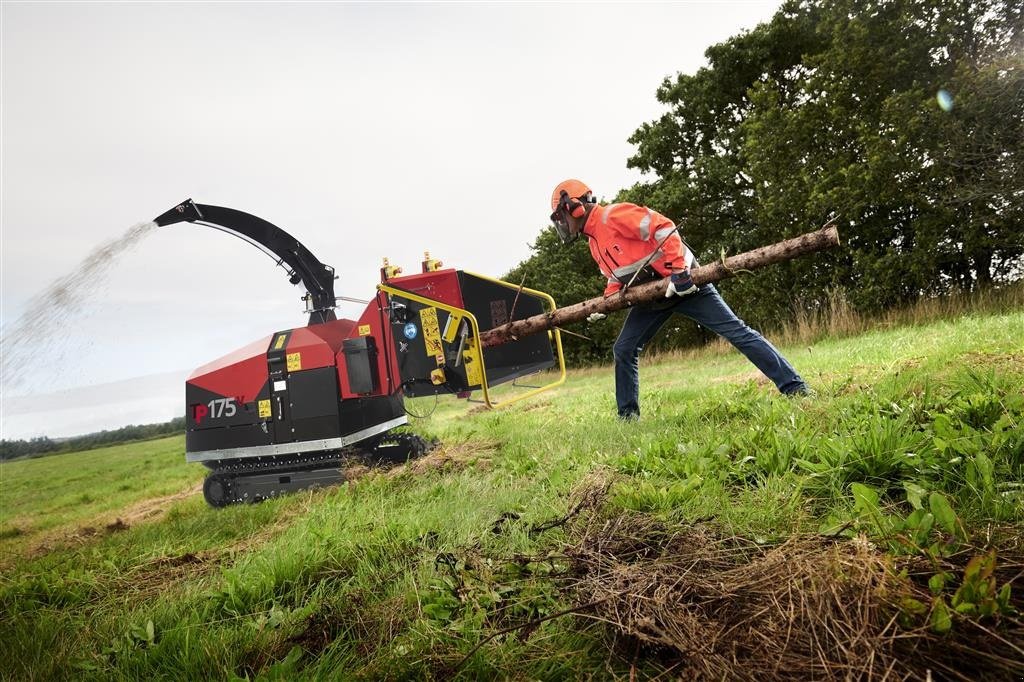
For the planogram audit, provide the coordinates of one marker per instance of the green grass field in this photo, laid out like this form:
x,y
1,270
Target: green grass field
x,y
50,497
914,444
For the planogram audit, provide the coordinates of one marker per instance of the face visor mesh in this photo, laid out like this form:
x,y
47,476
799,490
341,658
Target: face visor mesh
x,y
558,218
562,227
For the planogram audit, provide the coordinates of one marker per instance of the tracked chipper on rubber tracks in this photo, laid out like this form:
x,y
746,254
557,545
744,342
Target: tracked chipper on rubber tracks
x,y
286,411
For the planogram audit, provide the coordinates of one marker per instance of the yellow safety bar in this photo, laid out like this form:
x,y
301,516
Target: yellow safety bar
x,y
475,331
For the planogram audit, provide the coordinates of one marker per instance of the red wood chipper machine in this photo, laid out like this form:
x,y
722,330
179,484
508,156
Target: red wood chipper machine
x,y
284,412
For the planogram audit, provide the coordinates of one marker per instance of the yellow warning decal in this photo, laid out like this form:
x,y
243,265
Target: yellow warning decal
x,y
279,343
471,361
364,330
432,334
437,377
294,362
264,407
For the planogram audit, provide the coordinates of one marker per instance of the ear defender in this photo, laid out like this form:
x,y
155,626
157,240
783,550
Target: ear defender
x,y
573,207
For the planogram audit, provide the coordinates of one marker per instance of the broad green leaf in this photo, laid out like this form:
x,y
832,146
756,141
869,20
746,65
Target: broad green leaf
x,y
1003,599
915,494
943,512
937,583
864,498
941,621
913,606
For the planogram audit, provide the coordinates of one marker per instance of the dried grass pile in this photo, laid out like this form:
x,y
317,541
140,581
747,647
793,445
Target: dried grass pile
x,y
711,607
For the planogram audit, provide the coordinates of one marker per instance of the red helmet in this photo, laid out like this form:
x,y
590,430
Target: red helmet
x,y
569,198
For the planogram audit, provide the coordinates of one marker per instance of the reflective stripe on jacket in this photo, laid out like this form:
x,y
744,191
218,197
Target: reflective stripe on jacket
x,y
623,238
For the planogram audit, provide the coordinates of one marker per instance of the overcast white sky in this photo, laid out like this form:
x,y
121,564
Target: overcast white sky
x,y
365,130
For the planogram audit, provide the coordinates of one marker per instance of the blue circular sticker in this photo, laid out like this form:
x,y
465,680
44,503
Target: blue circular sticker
x,y
410,331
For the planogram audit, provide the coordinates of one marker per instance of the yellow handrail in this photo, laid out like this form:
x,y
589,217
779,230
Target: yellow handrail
x,y
475,330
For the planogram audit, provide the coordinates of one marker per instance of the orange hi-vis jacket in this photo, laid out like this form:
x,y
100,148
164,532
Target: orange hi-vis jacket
x,y
623,238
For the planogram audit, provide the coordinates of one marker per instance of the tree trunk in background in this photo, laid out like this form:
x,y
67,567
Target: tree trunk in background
x,y
825,238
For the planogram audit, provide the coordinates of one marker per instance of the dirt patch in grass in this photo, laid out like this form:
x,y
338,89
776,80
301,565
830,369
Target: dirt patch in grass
x,y
154,578
741,378
14,530
143,511
154,508
1013,361
705,606
458,456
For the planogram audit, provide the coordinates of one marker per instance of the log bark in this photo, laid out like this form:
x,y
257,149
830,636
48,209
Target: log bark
x,y
825,238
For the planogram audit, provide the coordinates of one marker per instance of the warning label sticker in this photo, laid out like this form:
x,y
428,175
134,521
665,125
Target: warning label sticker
x,y
294,361
471,361
432,334
364,330
264,408
279,342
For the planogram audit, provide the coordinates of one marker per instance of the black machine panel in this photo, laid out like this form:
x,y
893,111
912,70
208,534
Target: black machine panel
x,y
430,360
361,364
314,393
414,329
494,305
359,414
313,403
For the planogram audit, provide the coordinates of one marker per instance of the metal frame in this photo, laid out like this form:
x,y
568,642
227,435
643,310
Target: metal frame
x,y
553,335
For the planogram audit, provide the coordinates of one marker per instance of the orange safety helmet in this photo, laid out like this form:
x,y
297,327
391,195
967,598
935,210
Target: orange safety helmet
x,y
568,198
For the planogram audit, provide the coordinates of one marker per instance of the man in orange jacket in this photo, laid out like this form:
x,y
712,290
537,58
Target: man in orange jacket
x,y
633,244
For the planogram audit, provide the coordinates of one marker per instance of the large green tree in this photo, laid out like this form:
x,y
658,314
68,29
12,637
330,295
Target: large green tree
x,y
836,106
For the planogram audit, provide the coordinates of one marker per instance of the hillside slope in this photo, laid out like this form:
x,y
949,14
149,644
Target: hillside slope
x,y
566,544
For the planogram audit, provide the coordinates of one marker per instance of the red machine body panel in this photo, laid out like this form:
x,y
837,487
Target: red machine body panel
x,y
372,323
240,374
440,285
317,345
333,332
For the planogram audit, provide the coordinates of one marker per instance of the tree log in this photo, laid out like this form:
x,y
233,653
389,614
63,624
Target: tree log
x,y
825,238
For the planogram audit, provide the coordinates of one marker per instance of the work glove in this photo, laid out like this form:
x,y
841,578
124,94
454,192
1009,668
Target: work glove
x,y
595,317
680,284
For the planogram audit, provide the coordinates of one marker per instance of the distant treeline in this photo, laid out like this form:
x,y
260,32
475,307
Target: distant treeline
x,y
36,447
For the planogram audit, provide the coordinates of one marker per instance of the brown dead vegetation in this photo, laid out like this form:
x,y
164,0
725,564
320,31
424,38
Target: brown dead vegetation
x,y
705,606
457,457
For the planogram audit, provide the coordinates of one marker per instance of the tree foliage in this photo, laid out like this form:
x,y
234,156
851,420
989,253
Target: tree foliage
x,y
835,106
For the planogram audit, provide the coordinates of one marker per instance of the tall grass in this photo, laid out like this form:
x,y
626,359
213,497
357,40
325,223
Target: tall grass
x,y
836,318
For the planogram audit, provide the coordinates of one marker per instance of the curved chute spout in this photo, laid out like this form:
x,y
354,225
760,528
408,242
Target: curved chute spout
x,y
185,211
302,266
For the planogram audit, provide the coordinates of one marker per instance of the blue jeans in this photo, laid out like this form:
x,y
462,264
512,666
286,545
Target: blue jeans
x,y
706,308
